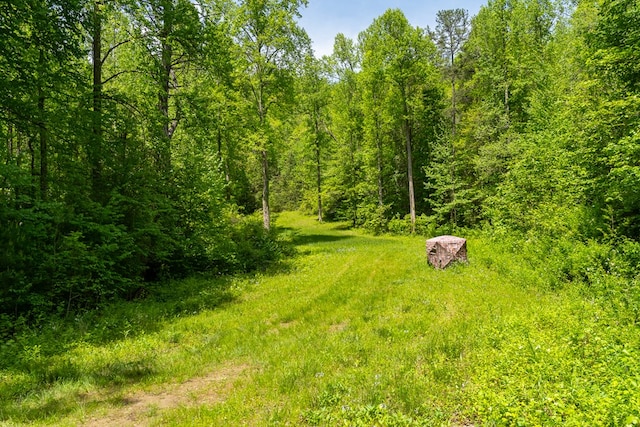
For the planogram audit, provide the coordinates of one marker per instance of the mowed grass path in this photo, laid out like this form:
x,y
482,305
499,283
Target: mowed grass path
x,y
354,330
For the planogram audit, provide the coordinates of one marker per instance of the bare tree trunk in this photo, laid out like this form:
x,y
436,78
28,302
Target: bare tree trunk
x,y
95,148
44,167
318,171
42,131
167,74
266,213
164,151
412,196
409,142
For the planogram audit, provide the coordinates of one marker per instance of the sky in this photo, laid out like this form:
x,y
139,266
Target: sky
x,y
323,19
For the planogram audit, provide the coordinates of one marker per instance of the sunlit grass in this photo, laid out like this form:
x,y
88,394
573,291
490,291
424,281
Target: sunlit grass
x,y
354,329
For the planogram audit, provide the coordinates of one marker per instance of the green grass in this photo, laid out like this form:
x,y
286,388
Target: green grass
x,y
354,330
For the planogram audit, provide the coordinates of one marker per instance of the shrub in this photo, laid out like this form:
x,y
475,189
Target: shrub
x,y
425,226
375,218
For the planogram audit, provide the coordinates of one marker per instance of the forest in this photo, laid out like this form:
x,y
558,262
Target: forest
x,y
154,139
204,223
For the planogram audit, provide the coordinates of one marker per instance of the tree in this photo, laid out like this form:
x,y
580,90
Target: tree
x,y
451,33
611,150
172,35
270,45
313,101
401,55
504,64
345,129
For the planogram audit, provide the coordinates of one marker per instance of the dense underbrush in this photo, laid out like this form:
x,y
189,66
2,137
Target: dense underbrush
x,y
54,266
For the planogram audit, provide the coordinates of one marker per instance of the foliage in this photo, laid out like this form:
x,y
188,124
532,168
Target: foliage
x,y
140,138
354,329
123,163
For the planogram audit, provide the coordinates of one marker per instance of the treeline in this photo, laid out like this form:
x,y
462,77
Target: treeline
x,y
141,137
523,117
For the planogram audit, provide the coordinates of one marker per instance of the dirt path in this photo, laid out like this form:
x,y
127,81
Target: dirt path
x,y
142,408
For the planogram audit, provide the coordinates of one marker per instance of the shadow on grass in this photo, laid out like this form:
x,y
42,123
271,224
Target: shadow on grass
x,y
35,363
309,239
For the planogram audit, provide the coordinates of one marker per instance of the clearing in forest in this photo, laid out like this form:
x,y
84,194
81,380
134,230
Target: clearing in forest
x,y
353,330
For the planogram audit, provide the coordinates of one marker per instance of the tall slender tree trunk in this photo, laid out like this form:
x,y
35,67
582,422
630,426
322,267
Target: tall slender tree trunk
x,y
167,71
379,164
264,159
164,150
95,145
452,167
353,180
412,196
408,135
42,134
453,95
266,212
318,170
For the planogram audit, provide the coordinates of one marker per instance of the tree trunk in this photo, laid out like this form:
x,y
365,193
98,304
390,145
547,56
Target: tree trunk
x,y
266,214
264,152
453,96
318,172
42,133
452,171
353,180
166,72
44,167
454,213
95,148
408,138
164,150
379,166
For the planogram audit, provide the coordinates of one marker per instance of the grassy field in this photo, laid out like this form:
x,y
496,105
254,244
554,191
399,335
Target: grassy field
x,y
355,330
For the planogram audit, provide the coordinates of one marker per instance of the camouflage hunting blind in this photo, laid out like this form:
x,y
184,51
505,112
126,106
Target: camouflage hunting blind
x,y
443,250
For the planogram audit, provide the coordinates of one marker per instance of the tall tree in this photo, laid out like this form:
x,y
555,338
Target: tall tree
x,y
452,31
611,150
346,129
402,55
172,35
313,100
270,44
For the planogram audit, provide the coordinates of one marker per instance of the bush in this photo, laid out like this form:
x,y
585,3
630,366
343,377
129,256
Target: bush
x,y
425,226
250,247
375,218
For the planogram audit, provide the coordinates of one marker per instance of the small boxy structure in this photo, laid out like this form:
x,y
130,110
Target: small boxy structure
x,y
443,250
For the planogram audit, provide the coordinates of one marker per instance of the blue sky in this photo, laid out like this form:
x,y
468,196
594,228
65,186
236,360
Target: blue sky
x,y
323,19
